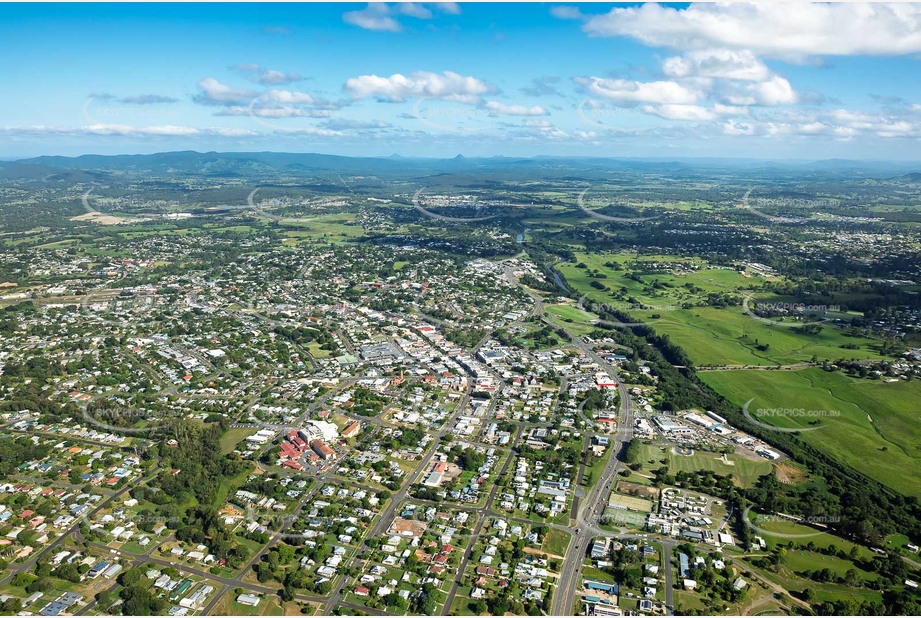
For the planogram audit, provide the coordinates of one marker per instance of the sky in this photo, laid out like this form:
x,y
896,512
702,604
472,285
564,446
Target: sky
x,y
767,81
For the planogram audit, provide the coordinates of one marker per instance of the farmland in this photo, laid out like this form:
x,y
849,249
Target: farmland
x,y
710,335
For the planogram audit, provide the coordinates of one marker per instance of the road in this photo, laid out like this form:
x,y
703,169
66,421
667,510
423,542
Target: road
x,y
387,515
589,511
483,514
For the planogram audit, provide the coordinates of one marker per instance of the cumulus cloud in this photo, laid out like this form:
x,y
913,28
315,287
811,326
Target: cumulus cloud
x,y
839,124
382,17
782,30
628,91
775,91
375,16
288,97
731,127
515,110
448,86
213,92
717,63
451,8
414,9
540,129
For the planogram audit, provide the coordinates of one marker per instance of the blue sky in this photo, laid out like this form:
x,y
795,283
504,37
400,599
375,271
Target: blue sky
x,y
741,80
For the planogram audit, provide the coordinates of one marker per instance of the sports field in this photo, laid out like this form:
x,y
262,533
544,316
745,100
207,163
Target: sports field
x,y
882,448
630,502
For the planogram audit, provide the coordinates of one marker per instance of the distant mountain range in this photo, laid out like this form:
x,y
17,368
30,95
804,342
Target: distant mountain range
x,y
248,164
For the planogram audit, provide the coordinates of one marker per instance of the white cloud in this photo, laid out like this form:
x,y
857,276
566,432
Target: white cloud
x,y
212,92
566,12
731,127
448,86
814,128
451,8
718,63
315,131
784,30
375,16
852,117
543,129
288,97
516,110
414,9
775,91
628,91
231,132
278,77
342,124
257,74
694,112
123,130
840,124
273,111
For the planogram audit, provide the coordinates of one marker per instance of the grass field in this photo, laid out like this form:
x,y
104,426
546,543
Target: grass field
x,y
790,580
556,542
228,606
882,448
333,227
709,335
233,436
316,351
745,471
572,319
572,313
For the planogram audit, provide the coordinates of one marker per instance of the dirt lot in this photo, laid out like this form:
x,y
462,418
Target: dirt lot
x,y
635,489
402,526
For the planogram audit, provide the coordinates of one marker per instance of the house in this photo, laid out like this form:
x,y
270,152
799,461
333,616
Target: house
x,y
250,600
684,567
32,598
